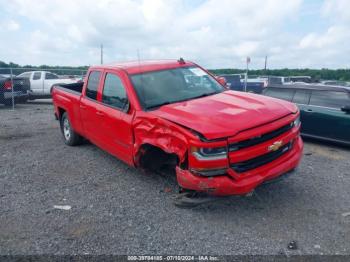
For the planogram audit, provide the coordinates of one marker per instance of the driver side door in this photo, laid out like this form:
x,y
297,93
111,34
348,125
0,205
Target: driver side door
x,y
115,117
36,83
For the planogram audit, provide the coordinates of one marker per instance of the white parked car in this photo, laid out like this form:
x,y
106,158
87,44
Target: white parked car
x,y
41,82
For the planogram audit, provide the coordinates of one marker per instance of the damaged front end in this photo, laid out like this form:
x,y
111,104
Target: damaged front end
x,y
210,166
162,145
159,143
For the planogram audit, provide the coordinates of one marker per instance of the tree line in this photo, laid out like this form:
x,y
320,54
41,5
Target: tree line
x,y
60,70
316,74
13,65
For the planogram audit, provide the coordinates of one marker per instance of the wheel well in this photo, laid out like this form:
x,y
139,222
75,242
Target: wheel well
x,y
156,159
60,112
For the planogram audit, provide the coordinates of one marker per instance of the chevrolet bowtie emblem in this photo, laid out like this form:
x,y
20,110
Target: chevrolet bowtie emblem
x,y
275,146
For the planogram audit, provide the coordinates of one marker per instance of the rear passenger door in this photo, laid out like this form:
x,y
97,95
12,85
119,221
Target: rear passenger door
x,y
89,108
116,117
325,116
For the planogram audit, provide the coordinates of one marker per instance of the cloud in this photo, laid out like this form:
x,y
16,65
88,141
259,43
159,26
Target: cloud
x,y
10,25
329,47
337,10
214,33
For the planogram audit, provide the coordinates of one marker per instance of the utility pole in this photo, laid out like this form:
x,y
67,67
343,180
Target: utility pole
x,y
246,74
101,54
12,85
265,63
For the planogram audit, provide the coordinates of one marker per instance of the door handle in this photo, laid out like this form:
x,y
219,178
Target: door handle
x,y
309,110
99,113
82,107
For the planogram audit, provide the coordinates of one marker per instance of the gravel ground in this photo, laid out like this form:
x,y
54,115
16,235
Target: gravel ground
x,y
120,210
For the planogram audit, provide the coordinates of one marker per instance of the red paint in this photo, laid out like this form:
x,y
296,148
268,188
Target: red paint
x,y
8,85
234,184
222,119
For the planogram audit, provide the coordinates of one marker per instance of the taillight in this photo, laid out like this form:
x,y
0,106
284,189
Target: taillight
x,y
7,85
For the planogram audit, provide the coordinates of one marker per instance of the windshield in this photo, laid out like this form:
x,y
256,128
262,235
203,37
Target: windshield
x,y
158,88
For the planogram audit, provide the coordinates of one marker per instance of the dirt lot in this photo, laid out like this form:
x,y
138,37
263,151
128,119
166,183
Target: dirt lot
x,y
119,210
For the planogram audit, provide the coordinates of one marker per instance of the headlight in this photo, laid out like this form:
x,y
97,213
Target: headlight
x,y
209,153
297,121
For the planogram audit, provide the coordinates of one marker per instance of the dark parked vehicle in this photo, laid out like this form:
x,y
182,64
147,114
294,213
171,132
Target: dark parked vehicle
x,y
235,82
305,79
324,110
21,89
336,83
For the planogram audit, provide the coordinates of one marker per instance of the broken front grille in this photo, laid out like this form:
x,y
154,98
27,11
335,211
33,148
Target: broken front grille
x,y
260,160
260,139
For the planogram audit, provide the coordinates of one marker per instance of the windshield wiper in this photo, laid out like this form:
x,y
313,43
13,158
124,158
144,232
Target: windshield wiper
x,y
171,102
159,105
204,95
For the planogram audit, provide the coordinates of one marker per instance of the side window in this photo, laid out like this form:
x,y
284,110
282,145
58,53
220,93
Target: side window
x,y
281,93
37,75
331,99
92,84
114,92
51,76
301,97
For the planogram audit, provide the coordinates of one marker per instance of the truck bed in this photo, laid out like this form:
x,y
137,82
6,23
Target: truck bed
x,y
67,97
76,87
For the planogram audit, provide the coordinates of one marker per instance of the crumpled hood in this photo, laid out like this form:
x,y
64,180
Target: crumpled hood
x,y
226,114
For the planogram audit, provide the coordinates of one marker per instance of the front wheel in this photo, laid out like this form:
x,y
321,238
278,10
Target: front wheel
x,y
71,138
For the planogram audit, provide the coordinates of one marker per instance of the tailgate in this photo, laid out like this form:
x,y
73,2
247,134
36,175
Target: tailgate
x,y
21,84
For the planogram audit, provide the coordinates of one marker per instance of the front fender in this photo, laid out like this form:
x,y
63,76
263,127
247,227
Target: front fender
x,y
160,133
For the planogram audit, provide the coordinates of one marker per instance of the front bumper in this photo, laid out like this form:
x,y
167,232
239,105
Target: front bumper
x,y
228,185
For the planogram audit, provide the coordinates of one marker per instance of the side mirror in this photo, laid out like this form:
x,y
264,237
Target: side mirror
x,y
221,80
346,109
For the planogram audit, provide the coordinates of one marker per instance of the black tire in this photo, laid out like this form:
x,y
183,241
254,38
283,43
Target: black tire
x,y
70,137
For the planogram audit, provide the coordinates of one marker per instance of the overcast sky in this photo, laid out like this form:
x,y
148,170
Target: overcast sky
x,y
213,33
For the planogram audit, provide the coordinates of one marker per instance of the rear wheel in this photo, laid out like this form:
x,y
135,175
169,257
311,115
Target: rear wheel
x,y
70,137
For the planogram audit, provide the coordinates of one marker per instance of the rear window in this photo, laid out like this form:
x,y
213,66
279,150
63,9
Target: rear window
x,y
281,93
330,99
92,85
51,76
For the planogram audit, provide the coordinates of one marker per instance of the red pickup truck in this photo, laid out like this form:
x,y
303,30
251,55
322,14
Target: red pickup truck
x,y
153,114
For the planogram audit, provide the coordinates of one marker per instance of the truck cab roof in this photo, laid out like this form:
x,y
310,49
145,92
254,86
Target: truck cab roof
x,y
138,67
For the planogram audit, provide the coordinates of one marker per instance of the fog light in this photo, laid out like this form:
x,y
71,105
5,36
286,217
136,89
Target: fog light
x,y
209,172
